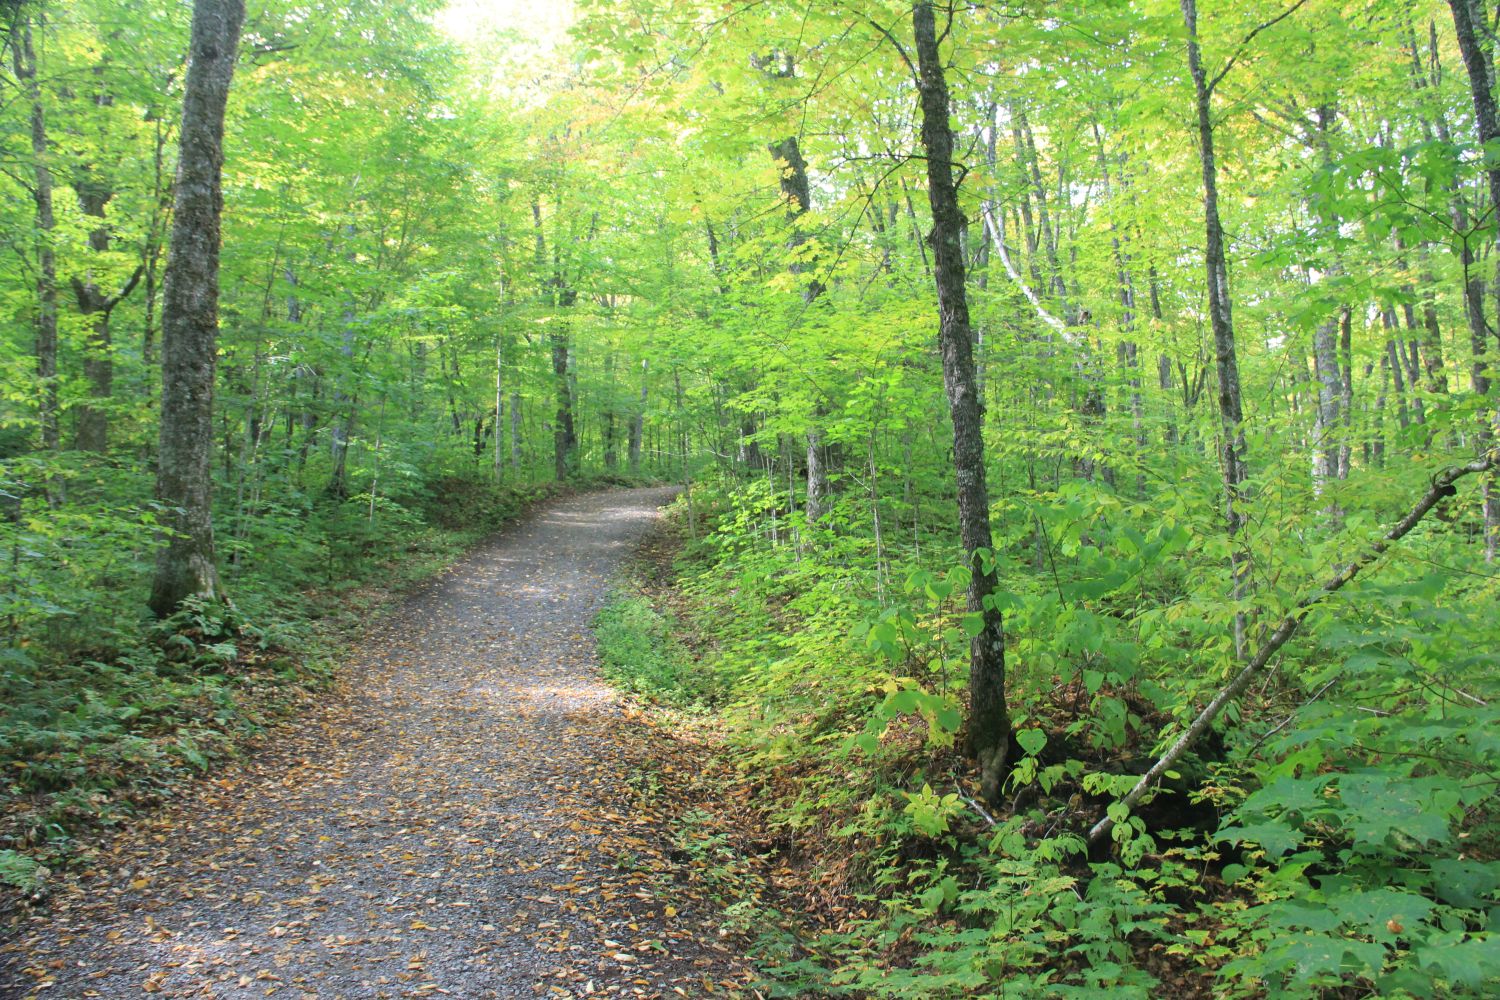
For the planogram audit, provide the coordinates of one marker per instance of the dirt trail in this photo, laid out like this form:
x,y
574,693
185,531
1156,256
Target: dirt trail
x,y
454,827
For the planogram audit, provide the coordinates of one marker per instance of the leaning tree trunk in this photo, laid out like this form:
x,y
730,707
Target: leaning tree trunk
x,y
1231,414
190,315
989,717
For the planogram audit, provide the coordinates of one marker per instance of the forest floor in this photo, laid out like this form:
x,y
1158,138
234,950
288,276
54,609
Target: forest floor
x,y
468,817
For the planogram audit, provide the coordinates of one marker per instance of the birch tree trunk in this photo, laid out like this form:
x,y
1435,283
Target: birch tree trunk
x,y
190,315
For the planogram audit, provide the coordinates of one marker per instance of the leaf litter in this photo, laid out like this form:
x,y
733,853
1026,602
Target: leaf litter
x,y
452,825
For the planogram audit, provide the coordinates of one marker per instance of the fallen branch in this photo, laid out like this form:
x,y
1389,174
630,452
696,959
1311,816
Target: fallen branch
x,y
1442,488
989,820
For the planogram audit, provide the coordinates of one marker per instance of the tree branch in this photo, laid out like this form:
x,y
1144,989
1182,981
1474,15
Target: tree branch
x,y
125,289
1250,38
900,49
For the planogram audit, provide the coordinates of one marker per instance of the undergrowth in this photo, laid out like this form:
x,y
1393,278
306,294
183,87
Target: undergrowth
x,y
1337,838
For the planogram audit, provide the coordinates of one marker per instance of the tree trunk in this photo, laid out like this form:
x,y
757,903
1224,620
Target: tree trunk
x,y
161,206
637,423
346,404
564,440
515,430
817,471
48,410
611,451
95,190
988,726
499,408
1328,415
1482,86
564,437
1231,414
190,316
796,195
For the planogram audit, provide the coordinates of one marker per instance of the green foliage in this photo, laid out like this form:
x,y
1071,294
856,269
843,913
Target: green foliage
x,y
21,872
639,652
1374,799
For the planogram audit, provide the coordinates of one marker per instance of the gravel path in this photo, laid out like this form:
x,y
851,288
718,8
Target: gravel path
x,y
459,825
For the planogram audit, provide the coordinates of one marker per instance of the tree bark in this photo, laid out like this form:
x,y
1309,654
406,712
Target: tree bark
x,y
1328,415
796,195
564,435
637,424
515,430
499,408
988,724
23,53
190,316
564,438
1481,72
611,451
95,190
1231,413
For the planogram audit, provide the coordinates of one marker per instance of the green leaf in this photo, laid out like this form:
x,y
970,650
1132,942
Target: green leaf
x,y
1031,740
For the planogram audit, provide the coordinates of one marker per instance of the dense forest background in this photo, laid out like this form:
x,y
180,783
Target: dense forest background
x,y
1229,298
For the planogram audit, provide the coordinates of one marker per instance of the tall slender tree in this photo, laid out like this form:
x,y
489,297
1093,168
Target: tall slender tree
x,y
989,729
1231,412
24,60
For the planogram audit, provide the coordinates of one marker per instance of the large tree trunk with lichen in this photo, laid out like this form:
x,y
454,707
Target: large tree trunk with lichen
x,y
988,724
190,315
